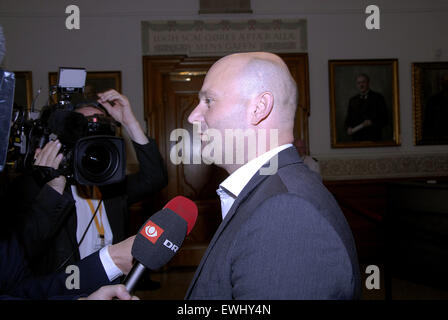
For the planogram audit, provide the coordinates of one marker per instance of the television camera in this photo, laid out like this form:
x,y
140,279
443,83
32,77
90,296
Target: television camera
x,y
93,154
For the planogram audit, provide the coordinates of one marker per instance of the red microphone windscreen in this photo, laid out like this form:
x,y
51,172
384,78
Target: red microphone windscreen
x,y
185,208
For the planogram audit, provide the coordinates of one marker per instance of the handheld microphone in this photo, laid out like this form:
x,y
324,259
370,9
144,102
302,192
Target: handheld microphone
x,y
160,237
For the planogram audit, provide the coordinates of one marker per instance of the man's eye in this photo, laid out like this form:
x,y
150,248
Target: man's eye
x,y
208,101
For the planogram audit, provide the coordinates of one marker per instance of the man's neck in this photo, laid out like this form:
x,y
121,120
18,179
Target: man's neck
x,y
365,92
285,136
231,168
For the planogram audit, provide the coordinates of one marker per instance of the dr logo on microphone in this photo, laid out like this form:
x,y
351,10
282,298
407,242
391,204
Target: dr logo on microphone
x,y
151,231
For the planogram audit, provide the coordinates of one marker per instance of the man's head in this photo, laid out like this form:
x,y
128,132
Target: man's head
x,y
362,83
248,91
88,109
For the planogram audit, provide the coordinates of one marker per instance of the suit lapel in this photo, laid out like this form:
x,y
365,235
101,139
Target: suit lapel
x,y
285,157
249,187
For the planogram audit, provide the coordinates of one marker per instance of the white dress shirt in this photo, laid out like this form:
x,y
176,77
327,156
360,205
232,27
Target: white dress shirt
x,y
91,242
230,188
111,269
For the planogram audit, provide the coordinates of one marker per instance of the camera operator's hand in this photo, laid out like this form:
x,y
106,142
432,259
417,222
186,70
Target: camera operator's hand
x,y
49,156
121,111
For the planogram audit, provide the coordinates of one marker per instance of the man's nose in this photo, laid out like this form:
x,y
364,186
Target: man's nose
x,y
196,115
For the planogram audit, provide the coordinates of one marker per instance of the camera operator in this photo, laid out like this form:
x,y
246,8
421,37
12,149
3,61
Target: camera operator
x,y
73,221
15,277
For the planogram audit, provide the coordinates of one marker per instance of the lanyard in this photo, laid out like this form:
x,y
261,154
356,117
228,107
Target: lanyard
x,y
99,224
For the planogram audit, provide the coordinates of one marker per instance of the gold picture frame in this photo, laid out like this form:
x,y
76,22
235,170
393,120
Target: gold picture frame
x,y
364,120
430,102
23,91
96,81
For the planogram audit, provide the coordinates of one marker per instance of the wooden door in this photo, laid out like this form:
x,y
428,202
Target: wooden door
x,y
171,86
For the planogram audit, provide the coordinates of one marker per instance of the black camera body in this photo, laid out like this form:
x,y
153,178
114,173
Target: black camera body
x,y
93,155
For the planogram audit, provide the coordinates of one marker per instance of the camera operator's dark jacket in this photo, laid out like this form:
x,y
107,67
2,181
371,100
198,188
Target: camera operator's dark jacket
x,y
49,233
17,282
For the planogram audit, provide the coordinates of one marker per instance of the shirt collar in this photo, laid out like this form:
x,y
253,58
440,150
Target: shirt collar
x,y
236,182
364,96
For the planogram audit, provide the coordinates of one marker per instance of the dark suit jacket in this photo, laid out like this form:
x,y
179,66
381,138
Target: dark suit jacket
x,y
284,238
46,221
372,108
16,281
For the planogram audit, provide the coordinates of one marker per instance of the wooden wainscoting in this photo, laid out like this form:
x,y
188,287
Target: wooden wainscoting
x,y
364,203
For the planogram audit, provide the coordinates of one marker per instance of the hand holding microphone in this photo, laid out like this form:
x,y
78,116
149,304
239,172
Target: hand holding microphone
x,y
121,254
160,237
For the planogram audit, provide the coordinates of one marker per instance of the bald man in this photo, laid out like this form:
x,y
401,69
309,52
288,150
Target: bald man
x,y
283,235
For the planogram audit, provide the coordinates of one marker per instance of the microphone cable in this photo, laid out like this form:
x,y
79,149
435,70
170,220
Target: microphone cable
x,y
82,238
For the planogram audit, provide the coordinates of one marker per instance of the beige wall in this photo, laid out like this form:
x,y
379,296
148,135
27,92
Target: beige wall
x,y
110,39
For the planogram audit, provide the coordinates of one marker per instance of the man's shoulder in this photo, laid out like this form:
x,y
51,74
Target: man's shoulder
x,y
294,179
297,184
295,193
299,179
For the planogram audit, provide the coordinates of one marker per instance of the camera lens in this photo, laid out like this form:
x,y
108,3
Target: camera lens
x,y
96,159
99,160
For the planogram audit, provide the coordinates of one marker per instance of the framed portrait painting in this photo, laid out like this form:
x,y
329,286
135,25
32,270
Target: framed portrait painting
x,y
430,102
96,81
364,103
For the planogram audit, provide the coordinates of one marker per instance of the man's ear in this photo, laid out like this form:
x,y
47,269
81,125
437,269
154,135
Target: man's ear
x,y
262,108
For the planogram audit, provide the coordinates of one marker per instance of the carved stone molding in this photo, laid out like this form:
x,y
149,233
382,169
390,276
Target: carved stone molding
x,y
221,37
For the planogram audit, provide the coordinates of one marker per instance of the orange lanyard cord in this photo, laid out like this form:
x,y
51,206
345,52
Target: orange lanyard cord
x,y
99,224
